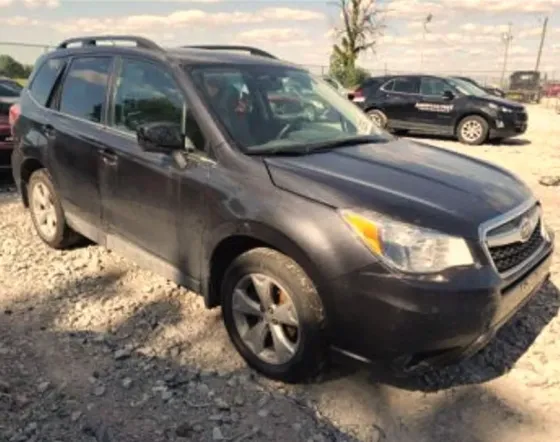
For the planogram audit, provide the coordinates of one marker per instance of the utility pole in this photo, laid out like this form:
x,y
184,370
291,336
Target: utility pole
x,y
543,36
427,20
507,37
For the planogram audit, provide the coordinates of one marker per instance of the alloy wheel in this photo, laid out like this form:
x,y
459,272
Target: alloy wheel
x,y
472,130
44,210
377,118
266,319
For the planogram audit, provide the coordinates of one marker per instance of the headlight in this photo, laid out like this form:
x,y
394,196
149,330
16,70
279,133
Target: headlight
x,y
406,247
505,110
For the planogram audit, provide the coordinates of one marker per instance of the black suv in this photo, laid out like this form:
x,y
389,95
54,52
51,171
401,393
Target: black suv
x,y
313,231
446,106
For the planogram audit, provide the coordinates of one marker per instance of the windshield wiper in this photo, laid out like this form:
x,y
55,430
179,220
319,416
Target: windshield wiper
x,y
334,144
305,149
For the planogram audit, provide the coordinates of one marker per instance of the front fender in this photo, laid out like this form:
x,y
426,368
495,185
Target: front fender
x,y
312,234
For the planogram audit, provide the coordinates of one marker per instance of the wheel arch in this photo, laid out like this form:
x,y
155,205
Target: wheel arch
x,y
27,168
473,113
221,253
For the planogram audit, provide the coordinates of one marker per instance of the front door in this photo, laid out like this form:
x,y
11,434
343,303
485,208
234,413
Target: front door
x,y
73,133
140,189
144,194
434,111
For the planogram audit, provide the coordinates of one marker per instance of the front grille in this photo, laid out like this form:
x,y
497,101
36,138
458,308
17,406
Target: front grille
x,y
507,257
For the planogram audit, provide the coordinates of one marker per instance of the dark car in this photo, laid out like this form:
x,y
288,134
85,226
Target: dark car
x,y
445,106
9,94
312,233
490,90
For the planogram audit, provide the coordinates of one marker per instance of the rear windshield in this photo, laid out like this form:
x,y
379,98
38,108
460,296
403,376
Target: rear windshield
x,y
9,89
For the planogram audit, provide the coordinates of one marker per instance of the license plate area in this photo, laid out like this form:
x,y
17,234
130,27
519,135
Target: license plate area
x,y
517,294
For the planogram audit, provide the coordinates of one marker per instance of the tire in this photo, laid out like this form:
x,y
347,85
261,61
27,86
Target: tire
x,y
287,282
378,117
478,133
59,235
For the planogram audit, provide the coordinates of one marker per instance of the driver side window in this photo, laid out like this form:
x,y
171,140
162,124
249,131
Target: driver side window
x,y
145,93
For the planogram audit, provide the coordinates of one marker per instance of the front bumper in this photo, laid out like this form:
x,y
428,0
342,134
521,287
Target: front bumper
x,y
422,324
509,125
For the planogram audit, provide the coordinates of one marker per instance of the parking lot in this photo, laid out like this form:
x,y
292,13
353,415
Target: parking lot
x,y
95,348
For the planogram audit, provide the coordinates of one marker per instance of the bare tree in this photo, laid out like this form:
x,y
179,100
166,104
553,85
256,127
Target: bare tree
x,y
362,24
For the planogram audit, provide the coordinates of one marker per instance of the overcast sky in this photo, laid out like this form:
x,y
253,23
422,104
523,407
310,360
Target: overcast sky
x,y
463,35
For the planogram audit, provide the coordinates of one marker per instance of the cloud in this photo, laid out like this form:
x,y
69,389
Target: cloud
x,y
419,8
502,6
32,3
280,37
177,19
412,8
291,14
477,29
18,20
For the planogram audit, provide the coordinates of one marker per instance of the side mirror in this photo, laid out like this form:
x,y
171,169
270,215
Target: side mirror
x,y
448,95
161,137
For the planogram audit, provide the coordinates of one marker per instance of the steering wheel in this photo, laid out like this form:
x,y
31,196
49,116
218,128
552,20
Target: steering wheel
x,y
288,128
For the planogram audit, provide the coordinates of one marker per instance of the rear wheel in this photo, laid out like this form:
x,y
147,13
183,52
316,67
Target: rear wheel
x,y
378,117
274,316
46,212
473,130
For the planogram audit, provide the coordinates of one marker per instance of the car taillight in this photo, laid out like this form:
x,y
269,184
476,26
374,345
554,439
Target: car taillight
x,y
358,96
14,113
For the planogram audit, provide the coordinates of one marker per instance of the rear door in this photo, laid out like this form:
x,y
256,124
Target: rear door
x,y
399,96
433,112
74,131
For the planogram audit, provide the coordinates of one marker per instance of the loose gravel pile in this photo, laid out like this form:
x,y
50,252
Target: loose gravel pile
x,y
93,348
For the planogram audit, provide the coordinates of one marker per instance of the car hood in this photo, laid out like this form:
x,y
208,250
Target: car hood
x,y
414,182
501,102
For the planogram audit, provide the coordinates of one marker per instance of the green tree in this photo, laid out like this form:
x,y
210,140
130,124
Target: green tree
x,y
9,67
362,25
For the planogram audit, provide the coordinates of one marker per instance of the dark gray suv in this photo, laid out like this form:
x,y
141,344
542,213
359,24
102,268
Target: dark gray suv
x,y
252,182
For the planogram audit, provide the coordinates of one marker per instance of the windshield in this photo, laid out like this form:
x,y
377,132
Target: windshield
x,y
467,88
269,109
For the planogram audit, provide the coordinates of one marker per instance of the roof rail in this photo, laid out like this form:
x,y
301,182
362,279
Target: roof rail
x,y
250,49
141,42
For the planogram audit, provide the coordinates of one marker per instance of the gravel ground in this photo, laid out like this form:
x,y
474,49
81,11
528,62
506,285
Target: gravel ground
x,y
93,348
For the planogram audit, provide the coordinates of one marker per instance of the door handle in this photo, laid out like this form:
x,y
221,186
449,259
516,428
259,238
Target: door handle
x,y
109,157
48,130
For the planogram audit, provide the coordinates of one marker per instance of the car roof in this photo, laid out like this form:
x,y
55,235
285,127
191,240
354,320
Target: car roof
x,y
389,77
201,54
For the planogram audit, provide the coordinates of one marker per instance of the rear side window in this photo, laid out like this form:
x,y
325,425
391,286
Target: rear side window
x,y
9,89
44,80
406,85
85,87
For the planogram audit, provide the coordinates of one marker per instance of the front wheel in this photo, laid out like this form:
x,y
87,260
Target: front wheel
x,y
274,316
473,130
